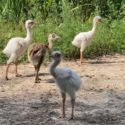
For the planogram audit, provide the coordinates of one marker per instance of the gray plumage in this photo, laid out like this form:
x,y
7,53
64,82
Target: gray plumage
x,y
67,80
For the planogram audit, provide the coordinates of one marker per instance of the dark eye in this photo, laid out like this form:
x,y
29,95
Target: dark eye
x,y
31,23
58,55
53,35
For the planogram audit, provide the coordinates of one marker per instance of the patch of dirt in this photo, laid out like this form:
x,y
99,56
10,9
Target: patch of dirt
x,y
100,101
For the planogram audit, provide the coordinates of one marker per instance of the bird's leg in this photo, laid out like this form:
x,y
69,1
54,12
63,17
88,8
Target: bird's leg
x,y
38,71
81,57
36,77
72,114
7,68
63,101
16,72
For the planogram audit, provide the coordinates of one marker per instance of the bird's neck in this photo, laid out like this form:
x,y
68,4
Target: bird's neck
x,y
28,38
50,43
94,28
53,66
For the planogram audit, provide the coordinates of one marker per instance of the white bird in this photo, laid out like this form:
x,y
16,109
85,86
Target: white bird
x,y
82,39
67,80
16,47
37,52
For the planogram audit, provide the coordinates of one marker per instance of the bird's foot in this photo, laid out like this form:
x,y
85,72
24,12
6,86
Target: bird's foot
x,y
71,118
37,81
18,75
62,116
108,86
81,62
6,78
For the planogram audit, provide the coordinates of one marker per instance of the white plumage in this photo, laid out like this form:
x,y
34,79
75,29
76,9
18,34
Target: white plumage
x,y
83,39
67,80
16,46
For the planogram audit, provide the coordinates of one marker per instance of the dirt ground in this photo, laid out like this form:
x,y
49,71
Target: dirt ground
x,y
100,101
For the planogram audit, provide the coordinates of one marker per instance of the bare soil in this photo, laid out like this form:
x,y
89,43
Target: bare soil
x,y
100,101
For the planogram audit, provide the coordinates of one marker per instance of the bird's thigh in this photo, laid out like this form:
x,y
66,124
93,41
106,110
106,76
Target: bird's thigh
x,y
13,58
83,46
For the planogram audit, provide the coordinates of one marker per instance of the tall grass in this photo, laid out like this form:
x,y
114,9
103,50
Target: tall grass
x,y
109,38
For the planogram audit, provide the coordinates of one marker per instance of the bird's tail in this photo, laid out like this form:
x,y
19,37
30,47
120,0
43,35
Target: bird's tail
x,y
5,51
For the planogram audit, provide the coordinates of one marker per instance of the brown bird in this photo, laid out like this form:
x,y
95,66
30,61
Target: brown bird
x,y
37,52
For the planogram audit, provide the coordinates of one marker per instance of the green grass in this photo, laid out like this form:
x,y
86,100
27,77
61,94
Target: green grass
x,y
109,38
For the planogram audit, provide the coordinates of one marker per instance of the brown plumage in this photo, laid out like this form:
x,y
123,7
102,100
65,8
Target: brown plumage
x,y
37,52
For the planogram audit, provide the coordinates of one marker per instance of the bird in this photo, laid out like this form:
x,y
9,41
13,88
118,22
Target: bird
x,y
67,80
37,52
16,47
82,39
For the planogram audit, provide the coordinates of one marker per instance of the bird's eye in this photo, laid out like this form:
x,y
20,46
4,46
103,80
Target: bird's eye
x,y
31,22
99,20
53,35
58,55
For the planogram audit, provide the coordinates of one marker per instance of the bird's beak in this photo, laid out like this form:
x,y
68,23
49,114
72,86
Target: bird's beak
x,y
100,20
58,37
34,22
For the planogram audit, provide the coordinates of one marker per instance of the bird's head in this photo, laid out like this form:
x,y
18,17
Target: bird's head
x,y
29,23
53,37
56,55
97,19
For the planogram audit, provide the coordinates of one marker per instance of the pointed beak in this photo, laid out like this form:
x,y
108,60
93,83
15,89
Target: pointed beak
x,y
58,37
100,20
34,22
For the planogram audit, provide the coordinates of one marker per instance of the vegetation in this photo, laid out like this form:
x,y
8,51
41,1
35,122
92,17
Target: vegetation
x,y
66,18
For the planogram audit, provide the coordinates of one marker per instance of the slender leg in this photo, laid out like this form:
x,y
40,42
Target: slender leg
x,y
10,60
36,74
37,79
63,101
7,68
72,103
38,71
16,72
81,57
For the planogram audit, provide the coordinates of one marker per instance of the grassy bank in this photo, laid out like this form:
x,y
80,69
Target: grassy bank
x,y
66,18
109,38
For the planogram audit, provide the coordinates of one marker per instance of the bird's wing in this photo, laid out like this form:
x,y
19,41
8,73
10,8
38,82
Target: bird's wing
x,y
64,73
13,45
35,48
70,76
19,44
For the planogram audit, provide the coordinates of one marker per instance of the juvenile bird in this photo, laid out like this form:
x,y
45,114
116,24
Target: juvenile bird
x,y
83,39
37,52
67,80
16,47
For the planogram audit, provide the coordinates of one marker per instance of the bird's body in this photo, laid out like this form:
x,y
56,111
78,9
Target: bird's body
x,y
16,47
83,36
83,39
37,52
67,80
